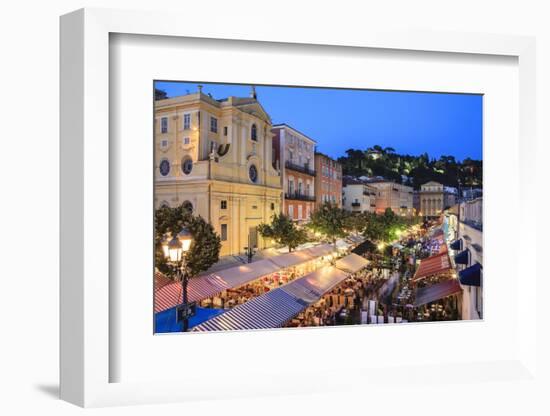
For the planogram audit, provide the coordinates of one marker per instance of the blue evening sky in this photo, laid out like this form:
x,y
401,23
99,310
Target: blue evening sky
x,y
410,122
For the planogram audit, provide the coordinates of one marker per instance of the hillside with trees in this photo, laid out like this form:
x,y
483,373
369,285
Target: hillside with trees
x,y
385,162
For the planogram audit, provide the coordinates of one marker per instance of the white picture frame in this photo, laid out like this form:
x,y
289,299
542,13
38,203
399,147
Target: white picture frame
x,y
86,355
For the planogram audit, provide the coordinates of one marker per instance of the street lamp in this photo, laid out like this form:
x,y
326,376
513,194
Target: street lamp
x,y
174,252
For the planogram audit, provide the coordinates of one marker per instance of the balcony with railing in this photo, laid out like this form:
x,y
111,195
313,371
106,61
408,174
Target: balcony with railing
x,y
298,196
300,168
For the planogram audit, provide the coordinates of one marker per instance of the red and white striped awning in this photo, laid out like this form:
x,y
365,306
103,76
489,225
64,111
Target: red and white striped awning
x,y
437,291
433,265
169,293
278,306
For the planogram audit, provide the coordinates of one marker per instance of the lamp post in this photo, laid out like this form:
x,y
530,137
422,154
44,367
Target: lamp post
x,y
174,252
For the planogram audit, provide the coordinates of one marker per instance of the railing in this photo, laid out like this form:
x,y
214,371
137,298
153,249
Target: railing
x,y
299,197
300,168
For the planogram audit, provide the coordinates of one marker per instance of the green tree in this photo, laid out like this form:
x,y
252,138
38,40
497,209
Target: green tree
x,y
206,245
329,220
160,94
283,231
382,227
356,222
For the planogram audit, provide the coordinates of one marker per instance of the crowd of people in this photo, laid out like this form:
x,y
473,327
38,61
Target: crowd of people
x,y
347,303
343,304
239,295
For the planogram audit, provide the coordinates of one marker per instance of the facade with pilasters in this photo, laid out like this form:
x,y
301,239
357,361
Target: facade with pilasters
x,y
214,156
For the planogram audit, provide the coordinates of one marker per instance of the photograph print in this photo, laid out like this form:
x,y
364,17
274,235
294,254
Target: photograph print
x,y
291,207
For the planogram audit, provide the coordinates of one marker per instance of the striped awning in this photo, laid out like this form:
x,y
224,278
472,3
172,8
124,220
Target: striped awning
x,y
169,294
433,265
271,310
278,306
435,292
352,263
242,274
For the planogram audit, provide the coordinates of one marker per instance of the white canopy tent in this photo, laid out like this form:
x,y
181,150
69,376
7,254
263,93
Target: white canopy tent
x,y
242,274
352,263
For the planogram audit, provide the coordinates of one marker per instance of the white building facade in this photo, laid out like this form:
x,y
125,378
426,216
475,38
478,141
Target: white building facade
x,y
359,197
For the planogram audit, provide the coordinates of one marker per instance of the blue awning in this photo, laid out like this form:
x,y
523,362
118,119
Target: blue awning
x,y
462,257
456,245
471,276
165,321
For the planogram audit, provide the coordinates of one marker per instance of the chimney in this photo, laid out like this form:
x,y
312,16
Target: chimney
x,y
199,87
253,92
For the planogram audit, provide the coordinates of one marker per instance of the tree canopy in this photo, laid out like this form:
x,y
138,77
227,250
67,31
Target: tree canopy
x,y
329,220
206,245
385,162
383,227
283,231
160,94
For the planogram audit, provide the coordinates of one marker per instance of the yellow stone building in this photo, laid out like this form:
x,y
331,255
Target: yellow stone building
x,y
215,156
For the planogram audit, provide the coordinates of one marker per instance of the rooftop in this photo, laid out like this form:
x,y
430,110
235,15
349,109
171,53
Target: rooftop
x,y
298,132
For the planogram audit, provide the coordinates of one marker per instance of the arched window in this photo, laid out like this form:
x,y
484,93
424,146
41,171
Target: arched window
x,y
254,133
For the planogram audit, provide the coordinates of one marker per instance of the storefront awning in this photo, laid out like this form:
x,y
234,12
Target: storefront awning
x,y
435,292
471,276
291,259
321,250
352,263
457,244
342,244
433,265
278,306
271,310
313,285
169,294
242,274
462,257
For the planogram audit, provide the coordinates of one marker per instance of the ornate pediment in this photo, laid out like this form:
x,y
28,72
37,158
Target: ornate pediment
x,y
255,108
